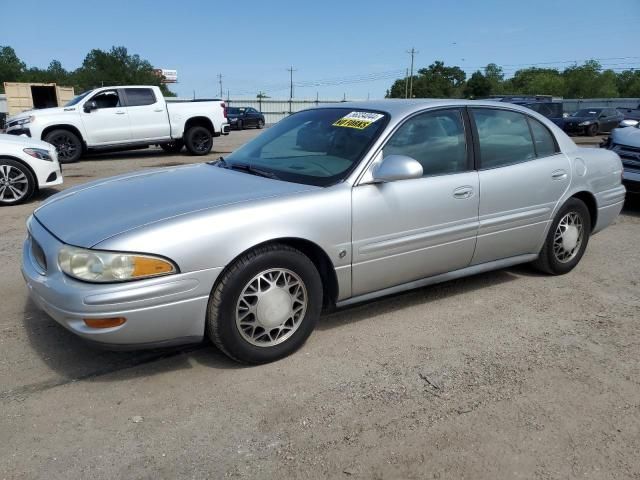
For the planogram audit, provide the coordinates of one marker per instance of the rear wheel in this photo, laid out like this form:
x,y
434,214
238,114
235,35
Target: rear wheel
x,y
592,130
17,183
265,305
260,123
172,147
566,240
198,140
67,143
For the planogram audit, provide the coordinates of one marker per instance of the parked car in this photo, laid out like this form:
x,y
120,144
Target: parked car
x,y
121,118
631,116
592,121
241,117
26,165
335,205
626,143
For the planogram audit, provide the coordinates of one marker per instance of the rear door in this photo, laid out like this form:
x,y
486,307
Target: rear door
x,y
522,176
109,123
410,229
147,114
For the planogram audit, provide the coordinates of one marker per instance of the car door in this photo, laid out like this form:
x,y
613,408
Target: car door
x,y
522,175
108,123
410,229
250,117
147,114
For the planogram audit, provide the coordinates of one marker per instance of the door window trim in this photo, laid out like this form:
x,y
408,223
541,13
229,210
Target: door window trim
x,y
114,89
476,137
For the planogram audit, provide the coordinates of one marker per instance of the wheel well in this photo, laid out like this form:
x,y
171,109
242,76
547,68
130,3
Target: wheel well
x,y
319,258
26,165
71,128
199,122
590,201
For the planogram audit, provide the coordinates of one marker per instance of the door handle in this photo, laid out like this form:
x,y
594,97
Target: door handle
x,y
120,112
559,175
463,192
158,110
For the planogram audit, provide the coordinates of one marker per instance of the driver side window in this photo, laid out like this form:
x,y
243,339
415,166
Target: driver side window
x,y
107,99
435,139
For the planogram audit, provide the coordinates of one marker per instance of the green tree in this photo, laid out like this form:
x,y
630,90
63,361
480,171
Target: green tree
x,y
11,67
495,75
587,81
628,83
535,81
478,86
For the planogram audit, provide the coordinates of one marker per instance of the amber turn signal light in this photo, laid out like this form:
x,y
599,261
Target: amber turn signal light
x,y
104,322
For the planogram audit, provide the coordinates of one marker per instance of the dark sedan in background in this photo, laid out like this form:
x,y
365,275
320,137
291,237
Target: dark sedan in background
x,y
242,117
592,121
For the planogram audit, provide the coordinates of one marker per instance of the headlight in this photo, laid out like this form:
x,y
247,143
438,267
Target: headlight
x,y
30,119
38,153
108,267
584,124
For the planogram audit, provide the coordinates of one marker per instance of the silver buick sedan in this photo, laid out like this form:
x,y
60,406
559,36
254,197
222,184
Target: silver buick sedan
x,y
331,206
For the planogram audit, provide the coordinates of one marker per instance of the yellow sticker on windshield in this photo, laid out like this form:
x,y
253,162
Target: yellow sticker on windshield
x,y
359,120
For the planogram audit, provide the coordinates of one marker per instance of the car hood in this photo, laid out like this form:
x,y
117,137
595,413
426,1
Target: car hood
x,y
89,214
629,136
41,112
24,142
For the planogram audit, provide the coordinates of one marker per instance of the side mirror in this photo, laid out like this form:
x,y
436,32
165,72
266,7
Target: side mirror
x,y
90,105
396,167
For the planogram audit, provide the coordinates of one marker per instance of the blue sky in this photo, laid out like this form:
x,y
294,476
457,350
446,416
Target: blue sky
x,y
338,48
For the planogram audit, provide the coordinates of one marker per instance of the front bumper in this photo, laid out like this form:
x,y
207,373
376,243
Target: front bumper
x,y
575,129
158,311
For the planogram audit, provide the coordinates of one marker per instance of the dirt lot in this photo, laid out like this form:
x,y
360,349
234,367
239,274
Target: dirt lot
x,y
509,374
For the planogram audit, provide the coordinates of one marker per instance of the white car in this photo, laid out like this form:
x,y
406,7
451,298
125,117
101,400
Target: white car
x,y
26,165
124,117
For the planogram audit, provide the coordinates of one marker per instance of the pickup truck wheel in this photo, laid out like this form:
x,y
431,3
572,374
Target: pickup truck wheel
x,y
198,140
172,147
67,143
260,123
265,305
592,130
16,182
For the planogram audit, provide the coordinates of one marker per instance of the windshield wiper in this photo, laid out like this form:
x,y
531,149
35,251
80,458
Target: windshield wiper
x,y
245,167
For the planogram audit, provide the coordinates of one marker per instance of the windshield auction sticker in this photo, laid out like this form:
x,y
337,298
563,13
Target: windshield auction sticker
x,y
359,120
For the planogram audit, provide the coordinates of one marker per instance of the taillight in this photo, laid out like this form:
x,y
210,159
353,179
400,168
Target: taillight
x,y
224,109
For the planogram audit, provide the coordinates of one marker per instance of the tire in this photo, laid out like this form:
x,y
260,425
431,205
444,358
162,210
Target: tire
x,y
17,183
67,143
172,147
198,141
260,124
232,298
551,259
592,130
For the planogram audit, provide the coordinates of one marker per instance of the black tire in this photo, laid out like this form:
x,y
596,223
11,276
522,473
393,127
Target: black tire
x,y
172,147
67,143
592,130
198,140
548,261
17,183
260,124
225,297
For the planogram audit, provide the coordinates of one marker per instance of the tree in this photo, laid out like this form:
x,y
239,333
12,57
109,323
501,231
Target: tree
x,y
586,81
628,83
11,67
495,75
435,81
535,81
477,86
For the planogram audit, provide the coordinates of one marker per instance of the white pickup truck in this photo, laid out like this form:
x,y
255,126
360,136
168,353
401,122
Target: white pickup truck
x,y
124,117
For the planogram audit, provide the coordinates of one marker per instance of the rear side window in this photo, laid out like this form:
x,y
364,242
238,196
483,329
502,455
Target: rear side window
x,y
140,96
544,141
504,137
435,139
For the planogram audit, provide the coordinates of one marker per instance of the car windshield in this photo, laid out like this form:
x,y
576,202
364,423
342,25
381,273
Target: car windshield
x,y
588,112
235,110
314,147
77,98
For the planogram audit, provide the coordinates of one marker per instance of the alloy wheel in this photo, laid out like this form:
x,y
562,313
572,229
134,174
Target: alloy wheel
x,y
271,307
65,146
14,184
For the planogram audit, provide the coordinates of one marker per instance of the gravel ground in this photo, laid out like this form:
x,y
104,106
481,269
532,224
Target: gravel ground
x,y
508,374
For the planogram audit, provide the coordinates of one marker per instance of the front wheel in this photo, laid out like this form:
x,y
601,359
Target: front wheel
x,y
67,143
265,305
260,123
16,182
592,130
566,240
198,140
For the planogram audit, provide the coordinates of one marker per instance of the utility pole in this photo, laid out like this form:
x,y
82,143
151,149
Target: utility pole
x,y
406,83
290,70
220,82
411,52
